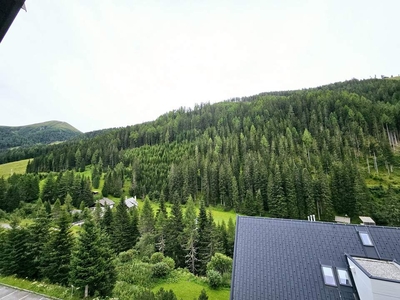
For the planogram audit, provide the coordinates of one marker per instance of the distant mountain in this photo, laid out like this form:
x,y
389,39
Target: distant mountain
x,y
39,133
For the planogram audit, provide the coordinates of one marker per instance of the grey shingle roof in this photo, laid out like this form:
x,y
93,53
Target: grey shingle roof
x,y
281,259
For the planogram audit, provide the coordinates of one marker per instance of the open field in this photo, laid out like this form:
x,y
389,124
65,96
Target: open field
x,y
191,290
17,167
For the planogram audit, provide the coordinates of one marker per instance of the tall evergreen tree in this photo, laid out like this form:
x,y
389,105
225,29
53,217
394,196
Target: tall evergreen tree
x,y
122,237
57,254
91,262
174,240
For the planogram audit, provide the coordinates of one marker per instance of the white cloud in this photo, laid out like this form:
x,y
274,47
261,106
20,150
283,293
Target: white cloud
x,y
99,64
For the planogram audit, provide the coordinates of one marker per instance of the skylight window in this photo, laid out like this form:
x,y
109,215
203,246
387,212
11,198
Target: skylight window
x,y
329,278
343,275
365,238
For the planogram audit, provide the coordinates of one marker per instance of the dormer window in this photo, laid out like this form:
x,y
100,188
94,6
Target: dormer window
x,y
329,278
344,278
365,238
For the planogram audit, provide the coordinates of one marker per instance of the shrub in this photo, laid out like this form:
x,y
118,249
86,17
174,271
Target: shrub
x,y
220,263
214,279
157,257
160,270
127,255
170,262
145,259
203,295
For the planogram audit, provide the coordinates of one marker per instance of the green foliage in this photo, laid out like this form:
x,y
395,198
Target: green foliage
x,y
220,263
40,133
91,262
157,257
160,270
214,279
170,262
123,235
203,295
57,255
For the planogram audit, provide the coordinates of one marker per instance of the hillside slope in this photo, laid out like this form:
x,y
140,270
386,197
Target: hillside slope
x,y
282,154
39,133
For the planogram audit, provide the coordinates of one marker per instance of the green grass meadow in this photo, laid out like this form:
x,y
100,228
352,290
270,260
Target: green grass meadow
x,y
17,167
191,290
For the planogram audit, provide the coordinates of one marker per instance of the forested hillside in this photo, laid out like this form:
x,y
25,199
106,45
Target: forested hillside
x,y
40,133
282,154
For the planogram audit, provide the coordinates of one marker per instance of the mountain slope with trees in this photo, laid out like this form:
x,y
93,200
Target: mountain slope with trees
x,y
40,133
283,154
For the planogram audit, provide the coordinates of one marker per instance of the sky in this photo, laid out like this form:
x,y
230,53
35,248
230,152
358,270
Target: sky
x,y
99,64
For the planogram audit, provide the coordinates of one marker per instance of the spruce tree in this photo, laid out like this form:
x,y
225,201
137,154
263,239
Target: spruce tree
x,y
40,233
92,261
204,236
146,221
174,240
57,254
122,238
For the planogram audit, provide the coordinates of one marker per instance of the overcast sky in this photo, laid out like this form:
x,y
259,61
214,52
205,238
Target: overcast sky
x,y
98,63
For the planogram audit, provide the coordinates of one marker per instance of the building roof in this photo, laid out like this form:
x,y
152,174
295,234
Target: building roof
x,y
131,202
8,11
106,201
380,268
283,259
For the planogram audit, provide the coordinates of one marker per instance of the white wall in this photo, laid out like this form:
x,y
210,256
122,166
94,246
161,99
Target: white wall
x,y
373,289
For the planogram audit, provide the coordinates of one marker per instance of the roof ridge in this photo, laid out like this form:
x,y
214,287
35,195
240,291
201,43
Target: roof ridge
x,y
319,222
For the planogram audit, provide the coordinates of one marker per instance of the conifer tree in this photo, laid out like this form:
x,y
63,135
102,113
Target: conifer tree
x,y
40,233
106,222
146,221
122,237
57,254
91,262
174,240
161,230
204,237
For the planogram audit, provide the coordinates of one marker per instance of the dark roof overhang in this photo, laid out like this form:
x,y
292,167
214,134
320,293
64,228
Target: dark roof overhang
x,y
8,11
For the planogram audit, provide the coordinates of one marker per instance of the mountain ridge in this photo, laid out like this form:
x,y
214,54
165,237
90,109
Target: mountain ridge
x,y
38,133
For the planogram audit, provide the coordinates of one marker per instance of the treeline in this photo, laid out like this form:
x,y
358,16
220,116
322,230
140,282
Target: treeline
x,y
19,189
283,154
114,243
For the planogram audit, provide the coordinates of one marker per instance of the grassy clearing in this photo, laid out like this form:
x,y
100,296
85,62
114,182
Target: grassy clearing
x,y
50,290
17,167
191,290
218,214
187,286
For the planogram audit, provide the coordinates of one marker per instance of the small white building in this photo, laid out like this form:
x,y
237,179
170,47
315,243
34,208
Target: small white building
x,y
131,202
375,279
106,202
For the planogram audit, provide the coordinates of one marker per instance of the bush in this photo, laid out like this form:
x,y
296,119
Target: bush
x,y
127,255
170,262
157,257
214,279
220,263
203,295
160,270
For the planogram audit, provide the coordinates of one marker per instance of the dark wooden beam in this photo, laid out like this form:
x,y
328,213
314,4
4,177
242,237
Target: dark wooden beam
x,y
9,9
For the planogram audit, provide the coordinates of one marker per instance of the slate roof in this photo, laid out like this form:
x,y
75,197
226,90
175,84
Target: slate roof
x,y
282,259
8,11
106,201
131,202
